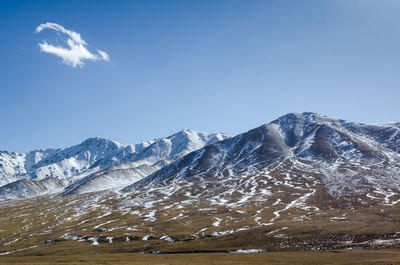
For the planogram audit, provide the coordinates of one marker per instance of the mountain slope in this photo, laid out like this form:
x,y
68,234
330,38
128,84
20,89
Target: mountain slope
x,y
30,188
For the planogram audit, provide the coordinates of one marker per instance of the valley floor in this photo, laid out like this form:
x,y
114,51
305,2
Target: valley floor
x,y
382,256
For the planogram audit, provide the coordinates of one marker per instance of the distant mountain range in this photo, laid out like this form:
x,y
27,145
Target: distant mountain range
x,y
93,165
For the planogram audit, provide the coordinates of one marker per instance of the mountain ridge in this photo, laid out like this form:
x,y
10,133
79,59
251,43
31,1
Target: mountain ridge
x,y
94,154
331,147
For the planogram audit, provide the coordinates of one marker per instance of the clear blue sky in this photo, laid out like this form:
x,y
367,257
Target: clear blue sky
x,y
225,66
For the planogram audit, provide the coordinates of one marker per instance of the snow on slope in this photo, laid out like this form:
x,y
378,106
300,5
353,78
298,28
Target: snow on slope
x,y
76,166
111,177
12,166
30,188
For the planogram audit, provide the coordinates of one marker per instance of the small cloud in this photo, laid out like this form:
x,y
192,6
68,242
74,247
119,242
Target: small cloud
x,y
76,52
104,55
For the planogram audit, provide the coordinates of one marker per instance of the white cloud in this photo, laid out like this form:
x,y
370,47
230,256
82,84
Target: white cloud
x,y
104,55
76,53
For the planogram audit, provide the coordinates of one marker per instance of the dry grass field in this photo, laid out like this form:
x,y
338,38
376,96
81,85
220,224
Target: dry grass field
x,y
287,224
383,256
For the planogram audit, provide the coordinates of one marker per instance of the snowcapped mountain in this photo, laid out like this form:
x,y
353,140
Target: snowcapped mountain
x,y
80,165
91,155
150,159
348,158
301,182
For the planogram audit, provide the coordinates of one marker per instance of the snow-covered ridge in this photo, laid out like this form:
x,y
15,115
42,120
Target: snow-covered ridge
x,y
74,163
64,163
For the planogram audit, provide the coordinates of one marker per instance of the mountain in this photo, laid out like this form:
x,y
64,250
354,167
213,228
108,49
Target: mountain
x,y
301,182
349,158
91,165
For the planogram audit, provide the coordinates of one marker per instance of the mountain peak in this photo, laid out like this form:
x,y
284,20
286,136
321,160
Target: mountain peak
x,y
96,139
99,141
294,117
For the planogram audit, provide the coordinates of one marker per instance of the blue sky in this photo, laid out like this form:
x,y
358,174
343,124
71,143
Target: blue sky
x,y
219,66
